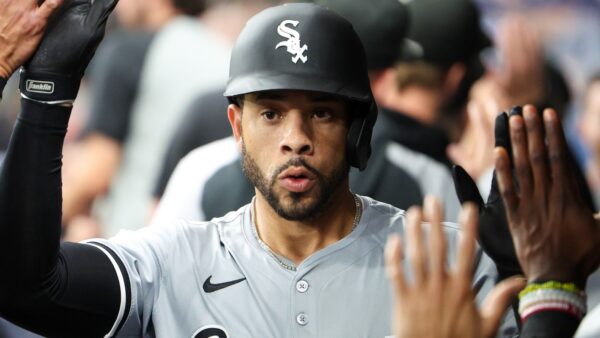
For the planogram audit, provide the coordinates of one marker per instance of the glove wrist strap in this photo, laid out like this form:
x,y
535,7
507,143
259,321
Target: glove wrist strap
x,y
47,87
62,103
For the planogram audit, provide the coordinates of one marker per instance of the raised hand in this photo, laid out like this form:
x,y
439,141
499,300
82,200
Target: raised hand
x,y
55,70
440,302
555,233
494,236
22,25
521,76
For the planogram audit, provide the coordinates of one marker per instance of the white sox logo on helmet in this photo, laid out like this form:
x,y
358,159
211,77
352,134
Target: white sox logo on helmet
x,y
293,40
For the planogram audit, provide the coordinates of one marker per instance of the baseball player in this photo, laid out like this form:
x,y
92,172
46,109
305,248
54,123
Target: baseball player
x,y
303,259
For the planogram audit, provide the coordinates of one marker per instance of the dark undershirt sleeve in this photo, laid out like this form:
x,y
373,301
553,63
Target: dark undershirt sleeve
x,y
53,289
115,76
550,324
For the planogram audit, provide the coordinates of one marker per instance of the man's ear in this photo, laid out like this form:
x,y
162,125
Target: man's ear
x,y
234,114
383,85
454,76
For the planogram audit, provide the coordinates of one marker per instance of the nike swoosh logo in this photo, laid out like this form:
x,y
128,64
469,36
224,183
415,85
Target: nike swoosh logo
x,y
209,287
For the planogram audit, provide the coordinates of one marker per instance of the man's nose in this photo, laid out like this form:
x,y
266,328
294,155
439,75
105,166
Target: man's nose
x,y
297,138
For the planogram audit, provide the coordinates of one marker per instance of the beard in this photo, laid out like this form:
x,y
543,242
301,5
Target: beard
x,y
295,206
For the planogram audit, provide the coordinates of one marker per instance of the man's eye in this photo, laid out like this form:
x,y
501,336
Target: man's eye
x,y
269,115
322,114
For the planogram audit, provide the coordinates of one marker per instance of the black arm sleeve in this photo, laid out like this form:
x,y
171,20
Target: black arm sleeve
x,y
549,324
68,290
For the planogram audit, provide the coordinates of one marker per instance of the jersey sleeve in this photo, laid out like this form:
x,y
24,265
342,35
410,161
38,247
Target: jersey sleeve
x,y
142,259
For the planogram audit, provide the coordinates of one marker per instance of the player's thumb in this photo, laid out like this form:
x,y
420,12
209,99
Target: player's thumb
x,y
466,189
497,302
100,11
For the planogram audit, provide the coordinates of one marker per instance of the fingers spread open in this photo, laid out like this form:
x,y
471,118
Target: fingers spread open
x,y
505,183
502,134
393,263
518,137
437,241
537,150
414,235
466,248
497,302
557,152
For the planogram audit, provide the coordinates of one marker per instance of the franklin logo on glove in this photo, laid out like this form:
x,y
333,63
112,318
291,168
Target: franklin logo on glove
x,y
41,87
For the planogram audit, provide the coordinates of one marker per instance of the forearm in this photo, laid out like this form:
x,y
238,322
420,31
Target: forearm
x,y
53,290
30,194
551,309
550,324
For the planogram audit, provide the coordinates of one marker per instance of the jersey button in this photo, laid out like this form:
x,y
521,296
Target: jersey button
x,y
302,319
302,286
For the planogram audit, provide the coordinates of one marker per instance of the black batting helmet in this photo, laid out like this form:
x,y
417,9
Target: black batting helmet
x,y
307,47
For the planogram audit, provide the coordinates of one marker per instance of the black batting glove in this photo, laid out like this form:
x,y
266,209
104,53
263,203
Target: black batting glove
x,y
54,72
494,235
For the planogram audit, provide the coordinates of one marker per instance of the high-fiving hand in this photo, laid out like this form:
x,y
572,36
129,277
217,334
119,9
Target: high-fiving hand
x,y
554,231
440,302
22,25
54,72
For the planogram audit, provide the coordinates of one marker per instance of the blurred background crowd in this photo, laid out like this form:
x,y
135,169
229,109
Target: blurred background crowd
x,y
153,94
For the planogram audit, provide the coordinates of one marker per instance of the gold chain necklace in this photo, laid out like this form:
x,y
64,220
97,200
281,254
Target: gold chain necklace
x,y
278,259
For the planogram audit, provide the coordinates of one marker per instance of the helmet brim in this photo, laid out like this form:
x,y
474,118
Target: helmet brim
x,y
257,82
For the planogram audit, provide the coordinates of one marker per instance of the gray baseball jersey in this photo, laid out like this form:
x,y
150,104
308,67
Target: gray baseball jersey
x,y
213,279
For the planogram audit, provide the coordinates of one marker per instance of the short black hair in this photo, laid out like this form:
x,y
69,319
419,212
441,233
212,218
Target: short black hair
x,y
238,100
190,7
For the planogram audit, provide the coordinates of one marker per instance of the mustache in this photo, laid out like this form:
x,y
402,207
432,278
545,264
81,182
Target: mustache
x,y
295,162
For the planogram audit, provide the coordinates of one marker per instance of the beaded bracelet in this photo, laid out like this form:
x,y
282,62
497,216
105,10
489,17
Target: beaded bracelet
x,y
542,296
552,296
551,306
551,285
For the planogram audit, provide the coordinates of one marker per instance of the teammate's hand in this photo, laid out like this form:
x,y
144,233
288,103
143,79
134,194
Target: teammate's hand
x,y
521,74
22,25
494,235
440,302
55,70
554,230
472,151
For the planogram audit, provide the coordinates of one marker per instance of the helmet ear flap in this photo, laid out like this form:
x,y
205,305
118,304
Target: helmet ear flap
x,y
359,137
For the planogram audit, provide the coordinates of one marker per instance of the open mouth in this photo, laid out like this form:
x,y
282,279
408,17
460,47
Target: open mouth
x,y
297,179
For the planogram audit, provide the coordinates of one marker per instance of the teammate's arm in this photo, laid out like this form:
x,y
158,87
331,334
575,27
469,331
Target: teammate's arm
x,y
68,290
